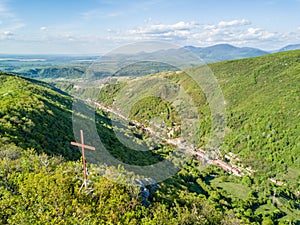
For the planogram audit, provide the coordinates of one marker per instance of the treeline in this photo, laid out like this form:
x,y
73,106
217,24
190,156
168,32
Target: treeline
x,y
54,72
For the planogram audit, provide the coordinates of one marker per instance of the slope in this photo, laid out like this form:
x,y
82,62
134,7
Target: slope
x,y
35,115
263,109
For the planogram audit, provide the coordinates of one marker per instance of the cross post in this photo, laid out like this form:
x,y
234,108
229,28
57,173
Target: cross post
x,y
83,147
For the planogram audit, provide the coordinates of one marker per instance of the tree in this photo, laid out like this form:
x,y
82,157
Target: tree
x,y
267,221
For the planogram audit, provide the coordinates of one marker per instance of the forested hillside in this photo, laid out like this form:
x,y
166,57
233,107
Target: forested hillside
x,y
263,106
37,188
35,115
263,109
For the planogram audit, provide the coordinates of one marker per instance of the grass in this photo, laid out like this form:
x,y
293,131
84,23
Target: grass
x,y
237,190
292,175
265,209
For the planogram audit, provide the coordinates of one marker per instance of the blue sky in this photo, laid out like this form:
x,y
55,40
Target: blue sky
x,y
99,26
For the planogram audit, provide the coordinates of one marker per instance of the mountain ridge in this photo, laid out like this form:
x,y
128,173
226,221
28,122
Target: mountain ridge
x,y
221,52
289,48
72,67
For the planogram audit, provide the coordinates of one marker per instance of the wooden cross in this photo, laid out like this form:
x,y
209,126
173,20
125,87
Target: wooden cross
x,y
83,146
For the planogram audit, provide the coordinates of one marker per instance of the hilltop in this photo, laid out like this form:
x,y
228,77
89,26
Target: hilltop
x,y
289,48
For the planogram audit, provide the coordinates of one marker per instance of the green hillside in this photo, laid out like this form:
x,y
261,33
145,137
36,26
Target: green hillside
x,y
35,115
263,109
262,98
36,188
262,104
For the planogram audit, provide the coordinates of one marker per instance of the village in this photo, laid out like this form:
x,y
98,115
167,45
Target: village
x,y
229,162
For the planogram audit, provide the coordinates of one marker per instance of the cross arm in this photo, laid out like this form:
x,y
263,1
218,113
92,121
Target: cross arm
x,y
81,145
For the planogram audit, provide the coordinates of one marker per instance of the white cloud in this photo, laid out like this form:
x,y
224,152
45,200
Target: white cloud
x,y
209,27
235,32
189,31
170,32
100,13
8,33
164,29
231,23
43,28
256,33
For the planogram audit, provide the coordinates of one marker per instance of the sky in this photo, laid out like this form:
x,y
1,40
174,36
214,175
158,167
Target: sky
x,y
99,26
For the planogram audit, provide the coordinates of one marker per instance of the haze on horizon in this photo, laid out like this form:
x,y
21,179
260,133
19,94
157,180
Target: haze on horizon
x,y
99,26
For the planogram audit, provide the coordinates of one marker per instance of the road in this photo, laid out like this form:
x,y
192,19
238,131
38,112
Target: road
x,y
182,145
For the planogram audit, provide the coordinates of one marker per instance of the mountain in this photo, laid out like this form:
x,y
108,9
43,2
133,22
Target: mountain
x,y
222,52
35,134
36,115
54,72
145,63
209,54
289,48
71,67
262,102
